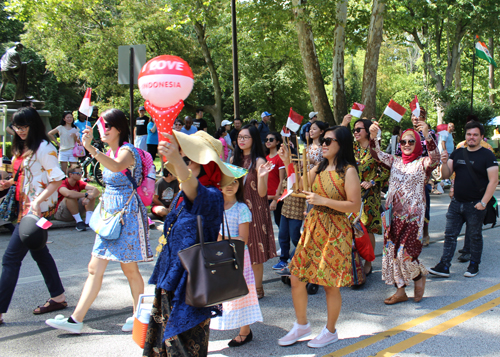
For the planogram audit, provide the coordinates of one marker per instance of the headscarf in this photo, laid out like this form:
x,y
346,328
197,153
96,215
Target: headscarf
x,y
417,151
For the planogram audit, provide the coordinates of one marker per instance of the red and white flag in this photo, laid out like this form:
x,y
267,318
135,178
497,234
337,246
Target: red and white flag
x,y
285,132
101,126
43,223
415,107
289,182
395,111
294,121
357,110
85,108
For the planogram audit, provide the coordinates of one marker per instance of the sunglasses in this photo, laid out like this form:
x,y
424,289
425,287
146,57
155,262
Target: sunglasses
x,y
76,173
357,130
269,140
327,141
187,160
107,126
410,142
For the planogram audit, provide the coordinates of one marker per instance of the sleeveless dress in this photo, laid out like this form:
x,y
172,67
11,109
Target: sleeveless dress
x,y
261,245
133,243
323,255
245,310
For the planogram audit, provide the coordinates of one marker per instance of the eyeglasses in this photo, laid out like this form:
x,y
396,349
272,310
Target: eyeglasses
x,y
327,141
76,173
269,140
178,124
357,130
244,138
20,128
410,142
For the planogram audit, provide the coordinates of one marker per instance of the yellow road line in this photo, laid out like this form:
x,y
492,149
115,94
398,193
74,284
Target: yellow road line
x,y
436,330
407,325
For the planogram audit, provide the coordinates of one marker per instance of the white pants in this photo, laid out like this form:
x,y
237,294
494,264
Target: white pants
x,y
140,142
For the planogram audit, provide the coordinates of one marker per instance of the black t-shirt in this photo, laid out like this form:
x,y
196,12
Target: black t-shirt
x,y
166,191
234,136
200,124
465,188
142,125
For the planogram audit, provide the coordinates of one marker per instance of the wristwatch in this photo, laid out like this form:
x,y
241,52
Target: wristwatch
x,y
372,182
483,204
86,194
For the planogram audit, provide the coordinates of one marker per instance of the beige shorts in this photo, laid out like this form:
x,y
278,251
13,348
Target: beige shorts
x,y
63,213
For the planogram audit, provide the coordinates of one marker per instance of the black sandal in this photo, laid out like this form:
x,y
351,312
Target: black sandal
x,y
234,343
50,306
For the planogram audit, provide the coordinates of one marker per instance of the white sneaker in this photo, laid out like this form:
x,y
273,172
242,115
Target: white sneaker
x,y
323,339
295,334
129,324
61,323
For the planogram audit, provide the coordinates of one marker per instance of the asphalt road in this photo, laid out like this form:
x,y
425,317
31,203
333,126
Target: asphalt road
x,y
458,317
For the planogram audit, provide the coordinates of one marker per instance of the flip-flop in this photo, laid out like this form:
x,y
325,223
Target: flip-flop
x,y
50,306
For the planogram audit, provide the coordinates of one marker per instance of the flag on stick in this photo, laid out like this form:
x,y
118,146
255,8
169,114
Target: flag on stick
x,y
415,107
482,52
100,126
285,132
85,108
395,111
294,121
357,110
289,182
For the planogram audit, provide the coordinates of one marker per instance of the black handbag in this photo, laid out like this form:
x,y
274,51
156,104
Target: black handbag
x,y
215,270
492,206
9,208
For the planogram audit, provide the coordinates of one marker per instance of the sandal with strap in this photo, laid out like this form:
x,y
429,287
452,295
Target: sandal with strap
x,y
235,343
260,293
50,306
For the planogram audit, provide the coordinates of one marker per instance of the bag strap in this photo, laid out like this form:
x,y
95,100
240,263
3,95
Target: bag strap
x,y
471,172
17,173
224,219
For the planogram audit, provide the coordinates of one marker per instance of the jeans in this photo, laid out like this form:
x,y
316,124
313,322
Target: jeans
x,y
277,212
289,230
458,214
11,264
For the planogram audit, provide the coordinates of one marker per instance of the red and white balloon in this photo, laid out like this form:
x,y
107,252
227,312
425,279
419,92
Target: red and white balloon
x,y
164,117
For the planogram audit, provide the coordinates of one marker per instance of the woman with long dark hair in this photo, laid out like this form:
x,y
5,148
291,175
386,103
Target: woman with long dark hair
x,y
314,150
132,246
323,255
68,134
37,194
249,154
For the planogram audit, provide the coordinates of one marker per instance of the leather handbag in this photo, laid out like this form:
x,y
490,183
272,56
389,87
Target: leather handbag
x,y
108,225
215,270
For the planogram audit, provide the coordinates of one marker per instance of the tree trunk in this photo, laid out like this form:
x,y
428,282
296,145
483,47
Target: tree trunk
x,y
458,74
339,102
491,82
369,91
310,62
215,109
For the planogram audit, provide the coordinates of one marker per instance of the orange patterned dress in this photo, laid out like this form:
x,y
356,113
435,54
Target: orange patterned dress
x,y
323,255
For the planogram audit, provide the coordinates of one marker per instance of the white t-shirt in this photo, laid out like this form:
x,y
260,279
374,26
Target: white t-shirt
x,y
67,142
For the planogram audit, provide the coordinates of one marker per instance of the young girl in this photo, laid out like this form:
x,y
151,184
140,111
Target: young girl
x,y
68,134
276,176
220,134
314,151
244,311
249,154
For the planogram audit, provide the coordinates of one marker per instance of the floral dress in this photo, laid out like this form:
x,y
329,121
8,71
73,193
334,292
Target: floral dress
x,y
368,170
314,156
323,255
133,243
403,218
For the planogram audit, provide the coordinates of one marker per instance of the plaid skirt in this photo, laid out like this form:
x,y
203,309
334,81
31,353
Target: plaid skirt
x,y
191,343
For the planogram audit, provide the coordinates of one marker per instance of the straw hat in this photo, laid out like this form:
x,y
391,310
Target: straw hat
x,y
202,148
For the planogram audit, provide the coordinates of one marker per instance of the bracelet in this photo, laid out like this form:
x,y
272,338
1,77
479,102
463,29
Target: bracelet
x,y
189,176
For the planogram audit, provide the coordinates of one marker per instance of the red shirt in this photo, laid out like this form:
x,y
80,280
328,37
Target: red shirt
x,y
273,180
79,187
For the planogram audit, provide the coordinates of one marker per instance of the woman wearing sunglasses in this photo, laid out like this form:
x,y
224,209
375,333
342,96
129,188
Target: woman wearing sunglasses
x,y
276,176
372,177
404,210
132,246
323,255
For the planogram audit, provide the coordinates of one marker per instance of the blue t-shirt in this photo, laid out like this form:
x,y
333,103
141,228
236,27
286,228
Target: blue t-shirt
x,y
152,137
81,126
190,131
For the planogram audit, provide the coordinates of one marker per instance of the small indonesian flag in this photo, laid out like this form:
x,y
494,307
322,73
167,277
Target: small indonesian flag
x,y
482,52
43,223
357,110
415,107
285,132
395,111
85,108
289,182
101,127
294,121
